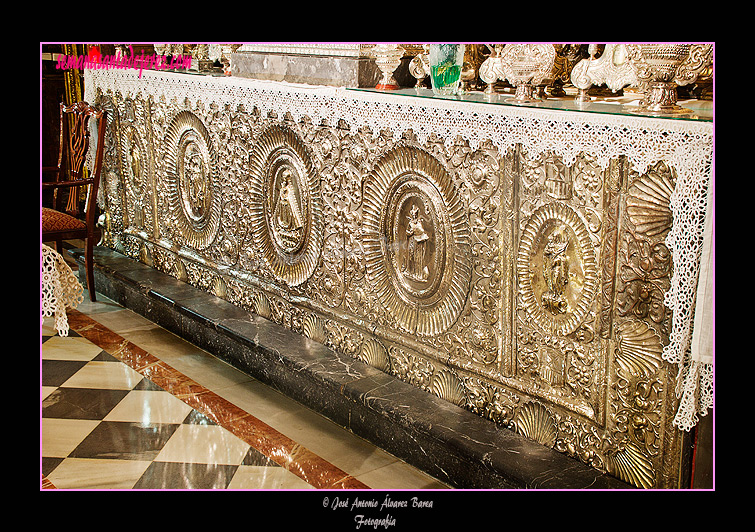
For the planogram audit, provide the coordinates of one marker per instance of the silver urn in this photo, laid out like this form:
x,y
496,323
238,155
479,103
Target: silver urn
x,y
660,68
525,66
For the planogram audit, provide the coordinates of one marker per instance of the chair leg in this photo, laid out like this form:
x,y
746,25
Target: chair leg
x,y
89,263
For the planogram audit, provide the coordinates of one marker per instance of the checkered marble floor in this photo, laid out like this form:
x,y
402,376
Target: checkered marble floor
x,y
116,415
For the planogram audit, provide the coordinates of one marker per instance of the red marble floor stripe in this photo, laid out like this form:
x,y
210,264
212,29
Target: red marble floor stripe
x,y
46,484
282,450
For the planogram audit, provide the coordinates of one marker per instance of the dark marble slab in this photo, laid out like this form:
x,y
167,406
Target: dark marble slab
x,y
448,442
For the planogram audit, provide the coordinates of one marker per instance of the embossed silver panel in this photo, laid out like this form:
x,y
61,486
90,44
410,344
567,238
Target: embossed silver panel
x,y
416,241
525,290
192,181
284,205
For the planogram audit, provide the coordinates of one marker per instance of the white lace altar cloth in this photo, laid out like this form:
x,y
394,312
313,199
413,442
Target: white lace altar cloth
x,y
686,145
60,289
695,379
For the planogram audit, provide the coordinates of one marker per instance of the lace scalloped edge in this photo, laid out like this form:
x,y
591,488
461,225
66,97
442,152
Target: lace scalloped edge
x,y
687,146
695,390
60,289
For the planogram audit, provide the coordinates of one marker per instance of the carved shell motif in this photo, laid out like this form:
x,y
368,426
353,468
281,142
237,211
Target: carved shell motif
x,y
447,385
535,422
639,351
219,288
648,205
314,328
261,306
374,354
631,465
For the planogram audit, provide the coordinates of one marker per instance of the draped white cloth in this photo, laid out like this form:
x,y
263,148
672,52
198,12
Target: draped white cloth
x,y
685,145
60,289
695,383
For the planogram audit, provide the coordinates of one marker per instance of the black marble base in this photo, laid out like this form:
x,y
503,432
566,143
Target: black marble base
x,y
448,442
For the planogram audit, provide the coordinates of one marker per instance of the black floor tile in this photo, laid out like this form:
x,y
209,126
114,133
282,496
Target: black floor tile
x,y
81,403
125,440
176,475
104,356
56,372
49,464
255,458
198,418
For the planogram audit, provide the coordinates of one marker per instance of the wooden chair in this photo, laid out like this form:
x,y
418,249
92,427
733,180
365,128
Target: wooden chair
x,y
63,222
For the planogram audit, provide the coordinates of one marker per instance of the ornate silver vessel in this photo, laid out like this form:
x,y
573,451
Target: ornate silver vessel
x,y
661,67
525,66
419,67
388,58
491,69
612,67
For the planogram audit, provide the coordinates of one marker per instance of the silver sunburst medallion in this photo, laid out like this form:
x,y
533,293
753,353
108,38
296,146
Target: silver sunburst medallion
x,y
285,205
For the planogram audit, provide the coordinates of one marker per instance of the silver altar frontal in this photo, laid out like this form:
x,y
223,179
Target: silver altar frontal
x,y
531,264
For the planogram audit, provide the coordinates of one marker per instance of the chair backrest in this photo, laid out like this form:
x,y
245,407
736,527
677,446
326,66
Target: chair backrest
x,y
71,171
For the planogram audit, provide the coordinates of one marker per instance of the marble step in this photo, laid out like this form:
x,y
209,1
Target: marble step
x,y
448,442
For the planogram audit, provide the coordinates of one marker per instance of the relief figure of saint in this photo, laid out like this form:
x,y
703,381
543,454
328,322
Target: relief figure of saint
x,y
414,265
287,215
556,271
134,158
195,179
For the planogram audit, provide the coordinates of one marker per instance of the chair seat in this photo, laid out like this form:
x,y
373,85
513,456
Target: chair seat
x,y
54,221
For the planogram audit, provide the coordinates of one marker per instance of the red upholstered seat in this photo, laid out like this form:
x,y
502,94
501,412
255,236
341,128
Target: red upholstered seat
x,y
53,220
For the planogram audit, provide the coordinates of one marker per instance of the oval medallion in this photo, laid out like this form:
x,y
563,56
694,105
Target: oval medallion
x,y
557,269
417,243
416,250
285,205
134,159
193,188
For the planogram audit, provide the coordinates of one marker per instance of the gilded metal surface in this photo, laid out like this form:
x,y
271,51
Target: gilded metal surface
x,y
416,241
284,205
522,289
192,181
